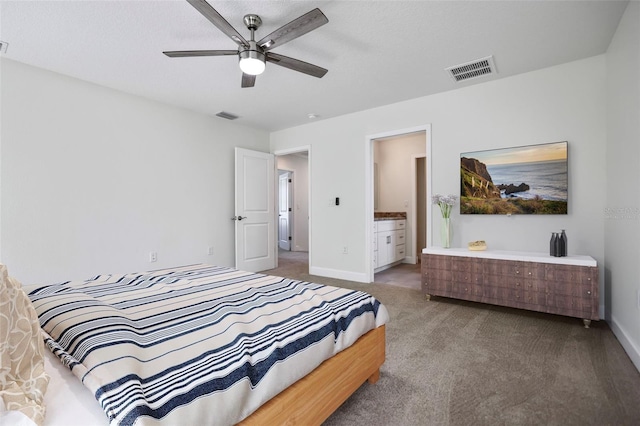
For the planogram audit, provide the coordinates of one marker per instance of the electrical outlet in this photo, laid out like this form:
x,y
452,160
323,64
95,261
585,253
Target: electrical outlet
x,y
345,250
153,256
210,251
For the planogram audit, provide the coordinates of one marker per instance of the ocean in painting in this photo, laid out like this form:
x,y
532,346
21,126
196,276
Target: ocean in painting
x,y
546,179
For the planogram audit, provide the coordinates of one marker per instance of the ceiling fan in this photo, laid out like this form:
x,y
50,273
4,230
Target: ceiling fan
x,y
253,54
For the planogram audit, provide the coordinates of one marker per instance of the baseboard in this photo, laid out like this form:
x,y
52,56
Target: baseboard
x,y
631,348
336,273
410,259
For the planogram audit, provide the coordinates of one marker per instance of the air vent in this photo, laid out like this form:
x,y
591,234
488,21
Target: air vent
x,y
473,69
3,46
226,115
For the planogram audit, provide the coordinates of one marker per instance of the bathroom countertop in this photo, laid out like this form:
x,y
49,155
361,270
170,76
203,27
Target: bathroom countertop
x,y
389,216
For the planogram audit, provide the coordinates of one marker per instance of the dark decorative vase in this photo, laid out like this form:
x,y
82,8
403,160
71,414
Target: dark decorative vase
x,y
565,247
553,243
559,245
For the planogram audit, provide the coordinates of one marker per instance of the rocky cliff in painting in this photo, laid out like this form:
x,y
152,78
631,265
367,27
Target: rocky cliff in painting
x,y
476,167
475,180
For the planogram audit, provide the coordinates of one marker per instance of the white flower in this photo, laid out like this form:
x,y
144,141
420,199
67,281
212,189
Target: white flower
x,y
445,203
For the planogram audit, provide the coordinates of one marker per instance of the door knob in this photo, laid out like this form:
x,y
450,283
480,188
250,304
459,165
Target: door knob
x,y
238,217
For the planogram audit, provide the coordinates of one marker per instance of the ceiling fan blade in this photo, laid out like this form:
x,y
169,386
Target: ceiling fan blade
x,y
188,53
294,29
296,65
216,19
248,80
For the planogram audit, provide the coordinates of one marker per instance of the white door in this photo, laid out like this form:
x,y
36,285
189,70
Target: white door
x,y
284,210
255,211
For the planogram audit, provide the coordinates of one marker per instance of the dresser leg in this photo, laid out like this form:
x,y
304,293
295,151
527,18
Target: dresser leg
x,y
427,296
587,323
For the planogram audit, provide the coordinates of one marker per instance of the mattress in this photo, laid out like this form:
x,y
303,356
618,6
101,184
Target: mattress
x,y
198,344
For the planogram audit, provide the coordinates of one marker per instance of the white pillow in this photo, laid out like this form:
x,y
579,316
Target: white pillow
x,y
23,381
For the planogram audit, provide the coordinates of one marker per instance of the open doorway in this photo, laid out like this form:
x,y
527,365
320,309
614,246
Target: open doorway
x,y
285,209
398,186
293,208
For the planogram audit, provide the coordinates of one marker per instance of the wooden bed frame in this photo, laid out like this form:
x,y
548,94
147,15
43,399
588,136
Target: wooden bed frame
x,y
312,399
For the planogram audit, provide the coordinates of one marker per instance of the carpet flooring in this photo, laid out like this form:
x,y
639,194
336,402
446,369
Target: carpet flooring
x,y
451,362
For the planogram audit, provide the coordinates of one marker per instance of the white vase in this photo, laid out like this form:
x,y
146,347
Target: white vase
x,y
445,232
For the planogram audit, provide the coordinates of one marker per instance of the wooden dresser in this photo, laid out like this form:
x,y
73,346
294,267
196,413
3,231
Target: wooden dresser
x,y
534,281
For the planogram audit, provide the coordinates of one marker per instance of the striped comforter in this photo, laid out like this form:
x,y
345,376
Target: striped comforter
x,y
197,344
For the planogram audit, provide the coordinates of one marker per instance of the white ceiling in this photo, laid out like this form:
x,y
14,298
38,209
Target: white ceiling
x,y
377,52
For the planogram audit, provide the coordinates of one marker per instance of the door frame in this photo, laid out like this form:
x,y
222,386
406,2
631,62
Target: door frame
x,y
414,204
290,210
414,200
295,150
369,160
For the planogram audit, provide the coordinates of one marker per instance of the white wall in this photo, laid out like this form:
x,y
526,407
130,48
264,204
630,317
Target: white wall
x,y
622,214
565,102
94,179
299,165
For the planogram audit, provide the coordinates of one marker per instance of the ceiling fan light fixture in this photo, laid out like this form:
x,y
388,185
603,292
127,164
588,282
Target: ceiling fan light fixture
x,y
252,66
252,61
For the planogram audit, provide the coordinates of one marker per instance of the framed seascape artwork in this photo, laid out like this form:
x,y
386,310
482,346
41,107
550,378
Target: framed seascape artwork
x,y
529,179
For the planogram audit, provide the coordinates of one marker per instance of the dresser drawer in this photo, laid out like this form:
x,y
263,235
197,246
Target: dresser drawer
x,y
436,262
535,285
437,287
570,289
467,277
437,274
502,267
496,280
562,304
466,265
568,274
535,271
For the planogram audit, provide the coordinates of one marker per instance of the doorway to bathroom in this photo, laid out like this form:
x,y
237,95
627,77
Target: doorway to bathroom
x,y
399,211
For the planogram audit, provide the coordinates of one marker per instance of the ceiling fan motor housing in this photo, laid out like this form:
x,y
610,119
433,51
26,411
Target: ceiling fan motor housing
x,y
253,51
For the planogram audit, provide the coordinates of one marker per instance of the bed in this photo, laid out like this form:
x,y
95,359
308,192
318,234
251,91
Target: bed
x,y
202,344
